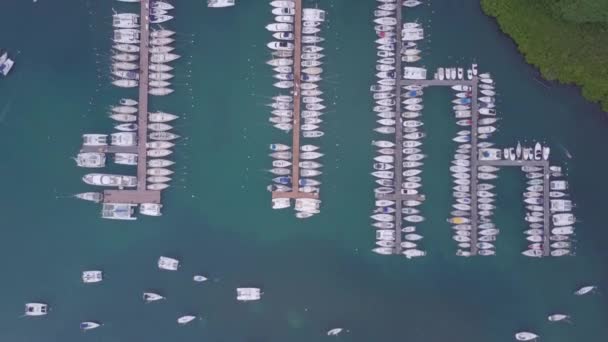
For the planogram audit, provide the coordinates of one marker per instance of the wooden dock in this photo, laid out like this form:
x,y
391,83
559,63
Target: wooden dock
x,y
295,146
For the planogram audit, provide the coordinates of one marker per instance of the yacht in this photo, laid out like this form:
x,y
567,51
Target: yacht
x,y
92,276
585,289
220,3
161,117
525,336
118,211
199,278
125,66
160,162
102,179
413,253
157,186
152,297
163,57
89,325
91,159
158,172
161,33
563,219
185,319
158,153
535,253
36,309
558,317
126,48
334,332
169,264
383,250
6,64
90,196
279,27
150,209
162,5
158,179
157,19
163,136
248,293
125,83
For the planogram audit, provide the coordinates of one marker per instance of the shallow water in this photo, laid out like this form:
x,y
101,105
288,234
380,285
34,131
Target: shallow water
x,y
316,274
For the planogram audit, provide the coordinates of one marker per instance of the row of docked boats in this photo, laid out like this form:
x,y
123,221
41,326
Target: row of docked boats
x,y
560,210
456,73
537,152
308,168
6,64
461,217
125,58
398,164
298,78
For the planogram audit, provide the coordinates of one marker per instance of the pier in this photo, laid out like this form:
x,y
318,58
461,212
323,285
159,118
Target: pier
x,y
140,194
295,146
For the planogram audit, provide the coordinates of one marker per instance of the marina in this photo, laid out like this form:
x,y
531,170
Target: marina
x,y
222,86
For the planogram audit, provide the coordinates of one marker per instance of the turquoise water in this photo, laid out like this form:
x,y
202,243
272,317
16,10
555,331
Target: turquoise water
x,y
317,274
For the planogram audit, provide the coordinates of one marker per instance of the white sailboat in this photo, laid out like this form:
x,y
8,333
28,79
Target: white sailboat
x,y
558,317
152,297
185,319
525,336
585,289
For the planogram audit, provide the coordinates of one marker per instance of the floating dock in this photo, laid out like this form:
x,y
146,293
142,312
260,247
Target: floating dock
x,y
295,145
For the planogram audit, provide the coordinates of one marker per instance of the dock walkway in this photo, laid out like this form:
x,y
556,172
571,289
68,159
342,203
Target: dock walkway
x,y
295,146
398,135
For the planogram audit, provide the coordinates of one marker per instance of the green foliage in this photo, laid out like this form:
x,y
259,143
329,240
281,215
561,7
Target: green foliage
x,y
550,35
583,11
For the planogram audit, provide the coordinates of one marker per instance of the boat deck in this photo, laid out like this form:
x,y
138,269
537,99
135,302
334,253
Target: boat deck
x,y
295,146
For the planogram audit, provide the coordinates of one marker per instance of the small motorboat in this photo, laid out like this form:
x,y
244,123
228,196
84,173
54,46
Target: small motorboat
x,y
199,278
185,319
89,325
585,289
334,332
558,318
525,336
